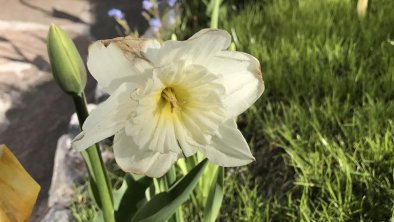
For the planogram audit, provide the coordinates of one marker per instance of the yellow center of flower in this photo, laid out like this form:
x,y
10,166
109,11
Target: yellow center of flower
x,y
168,94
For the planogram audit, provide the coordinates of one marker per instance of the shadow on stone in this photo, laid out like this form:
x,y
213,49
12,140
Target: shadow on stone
x,y
56,13
38,118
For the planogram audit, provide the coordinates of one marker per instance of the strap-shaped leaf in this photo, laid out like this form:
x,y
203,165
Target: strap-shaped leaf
x,y
163,205
92,186
215,197
129,196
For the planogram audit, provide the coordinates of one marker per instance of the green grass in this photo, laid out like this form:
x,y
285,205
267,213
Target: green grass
x,y
82,208
323,131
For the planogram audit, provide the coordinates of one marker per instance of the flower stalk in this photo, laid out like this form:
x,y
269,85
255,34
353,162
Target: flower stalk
x,y
98,174
70,73
215,14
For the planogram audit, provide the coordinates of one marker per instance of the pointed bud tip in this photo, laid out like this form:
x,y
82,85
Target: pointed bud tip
x,y
53,28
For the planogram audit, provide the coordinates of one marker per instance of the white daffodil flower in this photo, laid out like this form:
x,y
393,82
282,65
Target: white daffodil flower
x,y
170,101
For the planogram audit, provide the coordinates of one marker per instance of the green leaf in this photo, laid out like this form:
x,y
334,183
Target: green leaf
x,y
99,217
204,185
129,196
163,205
171,176
215,197
182,166
92,188
67,65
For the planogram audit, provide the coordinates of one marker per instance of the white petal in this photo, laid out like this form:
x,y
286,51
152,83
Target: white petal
x,y
228,147
185,142
107,119
196,50
242,79
112,62
141,161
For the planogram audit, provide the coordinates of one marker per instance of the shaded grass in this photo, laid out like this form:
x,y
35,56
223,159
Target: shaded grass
x,y
323,132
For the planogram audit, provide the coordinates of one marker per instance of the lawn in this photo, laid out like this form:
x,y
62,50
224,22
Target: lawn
x,y
323,131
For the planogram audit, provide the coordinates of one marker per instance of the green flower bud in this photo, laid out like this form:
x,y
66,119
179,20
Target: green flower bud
x,y
174,37
67,65
233,47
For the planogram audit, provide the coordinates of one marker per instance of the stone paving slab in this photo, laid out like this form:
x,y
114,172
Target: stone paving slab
x,y
23,59
46,11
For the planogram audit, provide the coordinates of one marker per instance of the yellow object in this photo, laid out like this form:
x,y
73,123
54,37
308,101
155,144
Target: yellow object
x,y
362,6
18,190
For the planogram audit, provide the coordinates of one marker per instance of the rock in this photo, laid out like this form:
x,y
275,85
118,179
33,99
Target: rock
x,y
58,215
69,171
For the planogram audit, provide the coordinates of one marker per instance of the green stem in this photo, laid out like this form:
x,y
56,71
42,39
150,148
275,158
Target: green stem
x,y
215,14
98,175
170,179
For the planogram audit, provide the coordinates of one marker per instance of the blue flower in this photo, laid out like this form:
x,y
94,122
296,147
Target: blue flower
x,y
172,2
146,4
155,24
170,18
116,13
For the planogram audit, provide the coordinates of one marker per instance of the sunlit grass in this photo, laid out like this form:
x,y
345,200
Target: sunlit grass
x,y
323,133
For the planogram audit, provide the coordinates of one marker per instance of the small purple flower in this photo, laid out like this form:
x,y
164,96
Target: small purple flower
x,y
172,3
155,24
116,13
146,4
170,18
